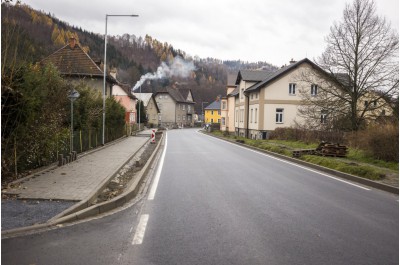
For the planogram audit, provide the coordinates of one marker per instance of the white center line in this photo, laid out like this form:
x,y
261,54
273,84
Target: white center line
x,y
153,189
140,230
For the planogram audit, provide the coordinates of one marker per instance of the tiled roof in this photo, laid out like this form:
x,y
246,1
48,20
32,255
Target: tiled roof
x,y
73,61
215,105
279,73
178,94
252,75
234,92
231,79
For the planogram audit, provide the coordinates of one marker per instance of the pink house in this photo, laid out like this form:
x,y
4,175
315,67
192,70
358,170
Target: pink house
x,y
122,94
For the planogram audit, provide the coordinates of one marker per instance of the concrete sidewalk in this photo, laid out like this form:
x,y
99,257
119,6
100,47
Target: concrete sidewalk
x,y
79,179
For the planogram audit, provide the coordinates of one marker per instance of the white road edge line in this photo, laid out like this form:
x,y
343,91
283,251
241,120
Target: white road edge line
x,y
153,189
294,164
140,230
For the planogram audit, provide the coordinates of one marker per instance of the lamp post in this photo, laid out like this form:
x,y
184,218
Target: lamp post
x,y
140,105
104,77
73,95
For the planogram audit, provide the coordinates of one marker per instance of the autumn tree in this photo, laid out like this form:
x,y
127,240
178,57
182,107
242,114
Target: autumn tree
x,y
360,66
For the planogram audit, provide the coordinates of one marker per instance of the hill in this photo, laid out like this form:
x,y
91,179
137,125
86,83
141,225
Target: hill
x,y
38,35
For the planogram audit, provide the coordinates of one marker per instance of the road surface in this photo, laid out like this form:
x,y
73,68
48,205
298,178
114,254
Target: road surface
x,y
213,202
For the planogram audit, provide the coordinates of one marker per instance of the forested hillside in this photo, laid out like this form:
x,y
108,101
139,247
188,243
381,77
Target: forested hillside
x,y
38,35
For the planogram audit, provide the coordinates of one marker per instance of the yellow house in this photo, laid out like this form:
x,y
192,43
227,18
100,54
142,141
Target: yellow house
x,y
212,113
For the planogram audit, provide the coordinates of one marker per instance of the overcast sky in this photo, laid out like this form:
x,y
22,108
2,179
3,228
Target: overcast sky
x,y
253,30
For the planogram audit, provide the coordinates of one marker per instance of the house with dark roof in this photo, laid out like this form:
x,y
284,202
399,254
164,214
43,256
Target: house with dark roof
x,y
176,107
212,113
228,105
122,94
265,101
245,79
76,65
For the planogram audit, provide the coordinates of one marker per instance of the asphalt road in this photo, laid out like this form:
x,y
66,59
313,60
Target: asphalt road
x,y
218,203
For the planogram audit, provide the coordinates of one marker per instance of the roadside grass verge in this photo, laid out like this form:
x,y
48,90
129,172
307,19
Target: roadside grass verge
x,y
357,162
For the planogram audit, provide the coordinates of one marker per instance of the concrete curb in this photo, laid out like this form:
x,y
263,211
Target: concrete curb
x,y
84,210
363,181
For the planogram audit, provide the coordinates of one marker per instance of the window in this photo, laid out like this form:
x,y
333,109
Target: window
x,y
237,115
178,118
279,116
219,112
324,114
292,89
251,116
183,117
219,120
314,90
223,104
212,112
255,118
223,121
183,106
189,108
241,93
160,97
212,120
366,103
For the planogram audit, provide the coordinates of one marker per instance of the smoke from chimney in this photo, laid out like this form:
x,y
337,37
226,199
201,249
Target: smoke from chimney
x,y
177,67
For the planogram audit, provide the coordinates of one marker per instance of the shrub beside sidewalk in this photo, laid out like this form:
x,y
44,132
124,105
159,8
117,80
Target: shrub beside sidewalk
x,y
357,163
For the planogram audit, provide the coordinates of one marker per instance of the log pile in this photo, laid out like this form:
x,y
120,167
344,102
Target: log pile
x,y
324,149
329,149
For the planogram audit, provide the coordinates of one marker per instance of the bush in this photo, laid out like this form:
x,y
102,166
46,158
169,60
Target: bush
x,y
307,136
380,142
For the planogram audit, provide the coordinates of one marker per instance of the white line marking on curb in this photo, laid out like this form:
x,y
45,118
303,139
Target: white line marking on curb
x,y
153,189
294,164
141,229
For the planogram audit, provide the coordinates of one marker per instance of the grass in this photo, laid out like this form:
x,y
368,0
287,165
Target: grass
x,y
357,163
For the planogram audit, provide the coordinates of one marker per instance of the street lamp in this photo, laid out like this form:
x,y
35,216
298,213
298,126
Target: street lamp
x,y
73,95
104,77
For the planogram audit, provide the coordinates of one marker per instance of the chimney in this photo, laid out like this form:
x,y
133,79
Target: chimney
x,y
292,61
72,42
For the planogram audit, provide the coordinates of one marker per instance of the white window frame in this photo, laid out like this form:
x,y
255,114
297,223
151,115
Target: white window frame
x,y
292,89
323,116
279,115
314,90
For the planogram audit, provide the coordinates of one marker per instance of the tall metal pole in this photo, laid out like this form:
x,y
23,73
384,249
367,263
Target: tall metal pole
x,y
140,102
72,127
104,74
104,83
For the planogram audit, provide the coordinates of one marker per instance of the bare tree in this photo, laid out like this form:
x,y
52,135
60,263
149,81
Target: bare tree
x,y
361,68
